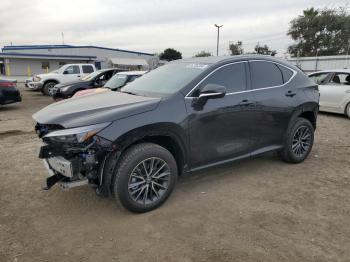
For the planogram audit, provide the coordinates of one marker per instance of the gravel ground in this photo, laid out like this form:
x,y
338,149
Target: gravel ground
x,y
257,210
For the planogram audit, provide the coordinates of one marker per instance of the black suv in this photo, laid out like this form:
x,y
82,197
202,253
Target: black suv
x,y
182,117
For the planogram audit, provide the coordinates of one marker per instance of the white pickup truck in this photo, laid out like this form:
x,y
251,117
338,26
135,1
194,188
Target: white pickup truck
x,y
65,74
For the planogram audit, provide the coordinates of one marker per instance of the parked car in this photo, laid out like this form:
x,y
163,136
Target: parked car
x,y
93,80
8,92
334,86
115,83
185,116
65,74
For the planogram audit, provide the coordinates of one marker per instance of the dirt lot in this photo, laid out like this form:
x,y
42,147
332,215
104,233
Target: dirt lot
x,y
259,210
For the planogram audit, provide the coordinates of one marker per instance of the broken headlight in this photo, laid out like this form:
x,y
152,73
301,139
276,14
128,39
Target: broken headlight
x,y
74,135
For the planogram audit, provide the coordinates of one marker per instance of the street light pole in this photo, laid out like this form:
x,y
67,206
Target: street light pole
x,y
217,42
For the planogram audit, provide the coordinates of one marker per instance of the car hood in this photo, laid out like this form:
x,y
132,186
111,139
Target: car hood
x,y
78,83
91,91
48,75
95,109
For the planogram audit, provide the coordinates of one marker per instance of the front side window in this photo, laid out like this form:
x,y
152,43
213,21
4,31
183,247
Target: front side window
x,y
340,79
233,77
87,69
265,74
319,78
72,70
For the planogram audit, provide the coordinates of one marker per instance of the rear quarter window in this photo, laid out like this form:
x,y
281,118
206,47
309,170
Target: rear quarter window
x,y
286,73
265,74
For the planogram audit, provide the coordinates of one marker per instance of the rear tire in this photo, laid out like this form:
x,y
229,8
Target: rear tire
x,y
299,141
347,110
145,176
46,90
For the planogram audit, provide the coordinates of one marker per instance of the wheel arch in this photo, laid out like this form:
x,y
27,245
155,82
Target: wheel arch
x,y
168,135
50,80
308,111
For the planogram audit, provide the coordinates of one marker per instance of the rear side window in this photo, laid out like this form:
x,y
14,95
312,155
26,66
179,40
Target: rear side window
x,y
87,69
265,74
287,73
233,77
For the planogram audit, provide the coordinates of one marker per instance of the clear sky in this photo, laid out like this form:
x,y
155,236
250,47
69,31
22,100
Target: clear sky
x,y
153,25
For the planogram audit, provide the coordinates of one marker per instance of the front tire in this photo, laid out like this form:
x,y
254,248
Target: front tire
x,y
145,177
299,141
47,88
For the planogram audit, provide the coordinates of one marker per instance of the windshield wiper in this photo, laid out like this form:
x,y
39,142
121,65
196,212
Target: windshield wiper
x,y
128,92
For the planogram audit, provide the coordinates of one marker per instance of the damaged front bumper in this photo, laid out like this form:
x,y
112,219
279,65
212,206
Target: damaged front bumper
x,y
60,179
72,165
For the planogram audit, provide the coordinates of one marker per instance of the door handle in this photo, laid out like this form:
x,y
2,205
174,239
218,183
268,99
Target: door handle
x,y
246,102
290,93
78,75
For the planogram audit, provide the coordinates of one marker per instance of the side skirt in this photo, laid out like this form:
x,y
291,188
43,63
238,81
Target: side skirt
x,y
249,155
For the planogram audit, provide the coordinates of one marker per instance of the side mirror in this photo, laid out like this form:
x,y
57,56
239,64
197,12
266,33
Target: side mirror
x,y
210,91
65,72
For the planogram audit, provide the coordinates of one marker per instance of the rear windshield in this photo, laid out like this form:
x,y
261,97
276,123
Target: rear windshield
x,y
165,80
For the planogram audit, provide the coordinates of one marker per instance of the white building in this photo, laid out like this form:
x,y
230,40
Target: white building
x,y
312,64
34,59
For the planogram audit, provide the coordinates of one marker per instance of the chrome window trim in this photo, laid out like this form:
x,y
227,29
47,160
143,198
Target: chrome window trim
x,y
251,90
212,72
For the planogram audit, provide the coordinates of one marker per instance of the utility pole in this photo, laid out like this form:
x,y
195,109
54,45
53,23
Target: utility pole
x,y
347,56
217,42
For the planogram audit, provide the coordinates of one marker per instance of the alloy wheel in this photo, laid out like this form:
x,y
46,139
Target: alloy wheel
x,y
50,88
149,181
301,141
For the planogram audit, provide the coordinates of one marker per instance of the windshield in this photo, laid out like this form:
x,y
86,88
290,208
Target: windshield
x,y
116,81
91,76
165,80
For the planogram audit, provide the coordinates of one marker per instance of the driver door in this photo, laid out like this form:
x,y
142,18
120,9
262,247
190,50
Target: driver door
x,y
221,129
72,73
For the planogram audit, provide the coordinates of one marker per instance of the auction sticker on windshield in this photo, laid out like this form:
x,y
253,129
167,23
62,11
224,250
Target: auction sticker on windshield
x,y
197,66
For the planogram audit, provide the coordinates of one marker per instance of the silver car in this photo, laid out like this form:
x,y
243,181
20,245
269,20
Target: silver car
x,y
334,86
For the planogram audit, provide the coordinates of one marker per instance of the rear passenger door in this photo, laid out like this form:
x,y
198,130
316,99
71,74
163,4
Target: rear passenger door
x,y
274,102
87,69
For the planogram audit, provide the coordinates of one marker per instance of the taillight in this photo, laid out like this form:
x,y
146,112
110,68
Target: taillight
x,y
7,84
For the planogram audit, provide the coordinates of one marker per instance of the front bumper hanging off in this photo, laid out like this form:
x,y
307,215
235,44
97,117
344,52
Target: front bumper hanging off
x,y
60,170
62,180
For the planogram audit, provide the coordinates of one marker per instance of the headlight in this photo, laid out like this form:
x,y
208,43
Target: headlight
x,y
36,78
75,135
